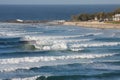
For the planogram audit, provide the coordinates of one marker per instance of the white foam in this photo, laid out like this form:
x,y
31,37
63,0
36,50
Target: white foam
x,y
13,64
58,46
76,49
53,43
96,44
15,30
69,45
28,78
58,37
49,37
50,58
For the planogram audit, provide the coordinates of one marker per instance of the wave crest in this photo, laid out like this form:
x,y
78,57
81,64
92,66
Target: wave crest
x,y
51,58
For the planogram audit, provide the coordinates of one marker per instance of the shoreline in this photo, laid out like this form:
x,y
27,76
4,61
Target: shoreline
x,y
86,24
93,24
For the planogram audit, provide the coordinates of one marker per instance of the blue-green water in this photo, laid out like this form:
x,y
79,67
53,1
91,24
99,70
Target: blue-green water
x,y
57,52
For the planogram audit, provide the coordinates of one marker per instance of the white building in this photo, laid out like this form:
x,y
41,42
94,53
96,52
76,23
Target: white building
x,y
96,19
19,20
116,17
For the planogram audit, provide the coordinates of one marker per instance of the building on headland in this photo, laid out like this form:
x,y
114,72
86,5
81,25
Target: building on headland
x,y
59,21
19,20
116,17
96,19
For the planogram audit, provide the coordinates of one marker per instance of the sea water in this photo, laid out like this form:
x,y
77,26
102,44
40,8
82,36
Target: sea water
x,y
50,12
57,52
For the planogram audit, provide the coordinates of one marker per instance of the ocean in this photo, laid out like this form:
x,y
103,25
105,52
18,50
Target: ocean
x,y
39,51
50,12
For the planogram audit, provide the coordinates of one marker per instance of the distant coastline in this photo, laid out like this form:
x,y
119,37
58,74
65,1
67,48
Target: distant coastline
x,y
25,21
97,20
93,24
87,24
102,20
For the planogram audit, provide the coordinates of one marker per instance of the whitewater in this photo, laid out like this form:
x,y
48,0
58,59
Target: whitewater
x,y
58,52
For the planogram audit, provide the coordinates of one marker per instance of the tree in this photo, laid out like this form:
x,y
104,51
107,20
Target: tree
x,y
75,18
117,11
99,15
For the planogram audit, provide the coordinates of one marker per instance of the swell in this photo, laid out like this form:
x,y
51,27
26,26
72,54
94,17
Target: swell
x,y
112,39
14,43
30,53
104,76
10,39
111,62
109,76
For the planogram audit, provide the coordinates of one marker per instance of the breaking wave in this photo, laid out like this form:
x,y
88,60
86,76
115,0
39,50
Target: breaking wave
x,y
78,46
52,43
55,42
28,78
97,44
14,62
103,76
51,58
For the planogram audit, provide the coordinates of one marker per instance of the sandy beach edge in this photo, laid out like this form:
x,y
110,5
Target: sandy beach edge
x,y
94,24
86,24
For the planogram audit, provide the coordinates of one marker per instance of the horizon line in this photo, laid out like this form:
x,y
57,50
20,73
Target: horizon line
x,y
59,4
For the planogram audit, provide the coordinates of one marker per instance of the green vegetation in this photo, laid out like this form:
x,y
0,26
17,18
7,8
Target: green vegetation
x,y
99,16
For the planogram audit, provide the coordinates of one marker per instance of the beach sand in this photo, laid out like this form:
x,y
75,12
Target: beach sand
x,y
94,24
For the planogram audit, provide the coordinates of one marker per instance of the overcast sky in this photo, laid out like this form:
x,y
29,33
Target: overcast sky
x,y
59,2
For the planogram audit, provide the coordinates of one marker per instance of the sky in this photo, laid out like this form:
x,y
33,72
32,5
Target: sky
x,y
66,2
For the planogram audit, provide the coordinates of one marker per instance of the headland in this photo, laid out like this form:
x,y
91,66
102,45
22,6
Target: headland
x,y
93,24
96,20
